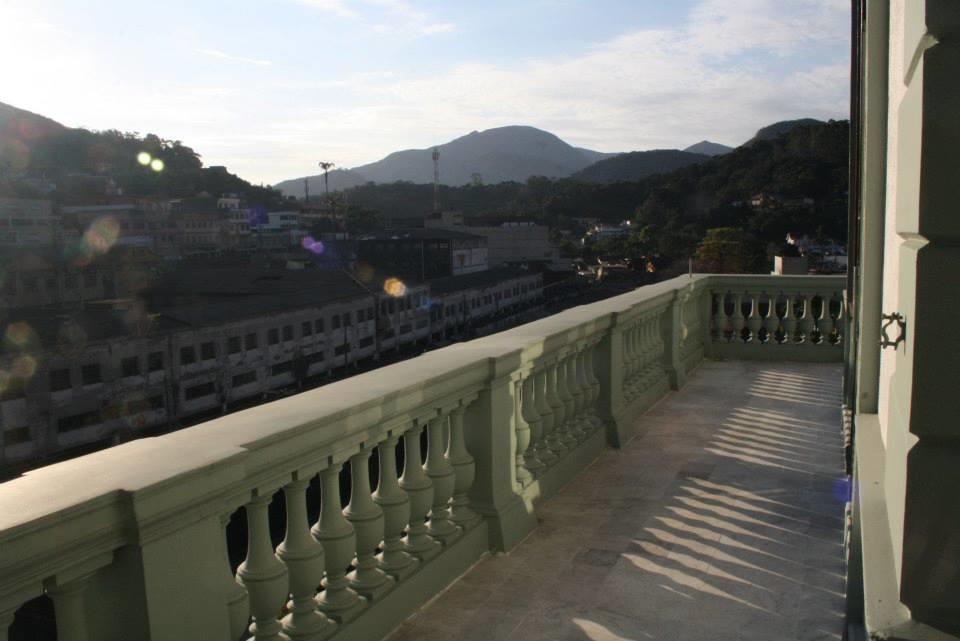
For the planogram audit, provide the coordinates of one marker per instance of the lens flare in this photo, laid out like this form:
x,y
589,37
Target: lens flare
x,y
394,287
157,165
144,158
20,334
101,235
24,367
311,245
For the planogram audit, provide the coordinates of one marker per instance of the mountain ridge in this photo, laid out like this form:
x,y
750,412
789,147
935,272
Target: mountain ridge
x,y
499,154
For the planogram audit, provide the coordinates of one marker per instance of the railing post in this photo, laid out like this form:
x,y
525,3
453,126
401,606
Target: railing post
x,y
490,434
608,367
673,361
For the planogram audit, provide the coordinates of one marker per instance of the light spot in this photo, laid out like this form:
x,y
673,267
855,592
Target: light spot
x,y
20,334
101,235
394,287
311,245
24,367
144,158
157,165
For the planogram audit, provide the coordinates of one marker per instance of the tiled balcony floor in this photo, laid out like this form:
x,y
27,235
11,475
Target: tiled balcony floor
x,y
723,521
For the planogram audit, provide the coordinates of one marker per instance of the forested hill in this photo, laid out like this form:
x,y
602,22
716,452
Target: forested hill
x,y
638,164
808,161
35,146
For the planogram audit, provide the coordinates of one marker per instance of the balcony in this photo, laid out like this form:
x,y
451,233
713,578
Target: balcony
x,y
621,513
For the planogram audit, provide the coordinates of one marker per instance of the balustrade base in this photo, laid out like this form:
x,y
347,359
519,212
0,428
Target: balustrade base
x,y
372,592
387,613
343,615
622,429
564,470
400,572
798,352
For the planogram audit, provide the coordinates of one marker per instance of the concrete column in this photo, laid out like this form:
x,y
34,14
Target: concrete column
x,y
490,434
671,334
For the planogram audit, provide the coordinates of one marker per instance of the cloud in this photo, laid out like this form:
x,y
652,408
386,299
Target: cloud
x,y
216,53
385,16
338,7
731,68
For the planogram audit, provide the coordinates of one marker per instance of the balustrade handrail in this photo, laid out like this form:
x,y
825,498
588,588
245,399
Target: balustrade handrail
x,y
58,519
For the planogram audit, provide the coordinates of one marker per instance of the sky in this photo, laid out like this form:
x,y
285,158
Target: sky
x,y
270,87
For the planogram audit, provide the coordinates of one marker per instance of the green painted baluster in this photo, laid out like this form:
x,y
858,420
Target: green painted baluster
x,y
303,556
262,573
338,600
366,517
419,489
441,474
541,456
464,471
393,501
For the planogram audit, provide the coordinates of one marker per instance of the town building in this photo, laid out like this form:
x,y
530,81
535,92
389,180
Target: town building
x,y
424,253
199,341
26,222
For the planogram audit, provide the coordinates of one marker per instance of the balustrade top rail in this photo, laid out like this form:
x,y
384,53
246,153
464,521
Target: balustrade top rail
x,y
59,521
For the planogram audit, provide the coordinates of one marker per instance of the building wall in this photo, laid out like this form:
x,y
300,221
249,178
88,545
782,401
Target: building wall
x,y
142,383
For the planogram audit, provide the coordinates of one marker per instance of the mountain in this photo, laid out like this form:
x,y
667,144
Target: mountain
x,y
777,129
497,155
19,131
638,164
708,148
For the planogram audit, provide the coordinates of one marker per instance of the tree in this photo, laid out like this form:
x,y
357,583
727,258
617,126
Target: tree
x,y
725,250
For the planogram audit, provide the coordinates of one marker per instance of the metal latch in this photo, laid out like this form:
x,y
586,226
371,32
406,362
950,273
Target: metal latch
x,y
888,320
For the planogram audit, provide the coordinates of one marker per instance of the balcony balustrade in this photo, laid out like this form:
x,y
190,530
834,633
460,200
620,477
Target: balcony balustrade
x,y
388,485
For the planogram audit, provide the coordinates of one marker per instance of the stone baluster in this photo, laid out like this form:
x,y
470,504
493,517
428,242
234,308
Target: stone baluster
x,y
644,346
542,456
825,322
775,319
807,321
754,320
739,322
262,573
632,353
769,321
839,320
238,603
718,317
594,385
440,471
658,349
338,601
576,385
789,320
303,556
547,413
419,488
464,471
524,438
393,501
564,382
366,517
70,609
562,428
638,354
629,360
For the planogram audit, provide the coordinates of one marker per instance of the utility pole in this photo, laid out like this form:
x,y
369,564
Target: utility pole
x,y
306,190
